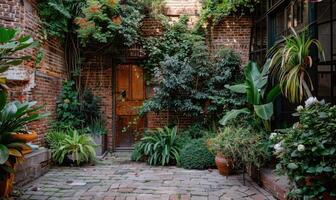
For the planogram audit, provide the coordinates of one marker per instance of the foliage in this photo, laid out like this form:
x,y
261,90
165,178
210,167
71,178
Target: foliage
x,y
214,11
241,144
97,127
160,147
79,113
290,63
187,79
79,148
136,153
14,116
58,16
225,70
106,21
10,43
89,107
307,152
257,94
197,131
68,107
195,155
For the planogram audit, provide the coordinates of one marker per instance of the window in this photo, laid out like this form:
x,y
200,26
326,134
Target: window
x,y
258,46
326,69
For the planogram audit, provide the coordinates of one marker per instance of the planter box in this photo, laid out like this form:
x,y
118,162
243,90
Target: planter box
x,y
99,140
34,165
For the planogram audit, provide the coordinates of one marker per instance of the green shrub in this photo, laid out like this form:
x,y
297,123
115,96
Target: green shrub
x,y
195,155
307,152
243,145
70,145
159,147
136,153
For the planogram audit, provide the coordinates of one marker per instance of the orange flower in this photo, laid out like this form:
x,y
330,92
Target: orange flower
x,y
94,9
80,21
116,20
111,2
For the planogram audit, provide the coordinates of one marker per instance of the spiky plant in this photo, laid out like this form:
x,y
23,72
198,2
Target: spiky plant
x,y
290,62
160,147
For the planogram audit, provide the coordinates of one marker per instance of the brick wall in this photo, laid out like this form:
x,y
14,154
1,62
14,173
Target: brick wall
x,y
234,33
97,76
44,84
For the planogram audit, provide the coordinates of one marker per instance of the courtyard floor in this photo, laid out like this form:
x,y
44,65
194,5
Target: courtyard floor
x,y
116,178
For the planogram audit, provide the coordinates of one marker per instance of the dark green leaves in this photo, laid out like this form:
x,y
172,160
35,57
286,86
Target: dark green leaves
x,y
161,147
4,154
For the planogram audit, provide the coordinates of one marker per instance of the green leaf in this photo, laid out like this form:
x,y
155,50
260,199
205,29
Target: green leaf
x,y
328,169
292,166
7,34
273,94
4,154
232,115
253,75
265,111
239,88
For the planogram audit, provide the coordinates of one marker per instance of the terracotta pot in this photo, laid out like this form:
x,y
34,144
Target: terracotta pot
x,y
224,165
25,137
6,186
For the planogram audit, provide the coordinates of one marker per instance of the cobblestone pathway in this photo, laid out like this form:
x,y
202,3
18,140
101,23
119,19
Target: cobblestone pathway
x,y
119,179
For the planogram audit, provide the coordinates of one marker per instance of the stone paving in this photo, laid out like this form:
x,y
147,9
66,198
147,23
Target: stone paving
x,y
119,179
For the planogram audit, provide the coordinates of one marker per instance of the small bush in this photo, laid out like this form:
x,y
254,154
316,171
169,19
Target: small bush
x,y
195,155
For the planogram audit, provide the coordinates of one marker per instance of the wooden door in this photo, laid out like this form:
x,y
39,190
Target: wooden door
x,y
130,89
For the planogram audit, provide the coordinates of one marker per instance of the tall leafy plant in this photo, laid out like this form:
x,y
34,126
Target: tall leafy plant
x,y
290,63
259,98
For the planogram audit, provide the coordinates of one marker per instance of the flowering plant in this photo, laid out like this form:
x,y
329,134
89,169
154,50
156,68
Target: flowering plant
x,y
105,21
307,152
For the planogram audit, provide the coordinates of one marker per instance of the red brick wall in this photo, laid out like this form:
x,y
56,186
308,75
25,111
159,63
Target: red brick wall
x,y
43,85
97,76
234,33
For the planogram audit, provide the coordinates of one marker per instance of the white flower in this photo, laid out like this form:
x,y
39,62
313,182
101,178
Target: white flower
x,y
273,136
311,101
278,148
301,147
299,108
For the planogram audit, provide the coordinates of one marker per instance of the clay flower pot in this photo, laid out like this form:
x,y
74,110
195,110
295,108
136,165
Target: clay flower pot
x,y
224,165
25,137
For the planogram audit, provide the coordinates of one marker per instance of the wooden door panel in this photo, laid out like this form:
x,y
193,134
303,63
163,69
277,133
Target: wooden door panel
x,y
130,90
137,83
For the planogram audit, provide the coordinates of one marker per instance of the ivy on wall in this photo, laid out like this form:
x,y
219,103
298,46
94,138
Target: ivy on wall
x,y
213,11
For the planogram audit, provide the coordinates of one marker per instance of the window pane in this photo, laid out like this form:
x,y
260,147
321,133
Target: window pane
x,y
324,37
323,11
324,85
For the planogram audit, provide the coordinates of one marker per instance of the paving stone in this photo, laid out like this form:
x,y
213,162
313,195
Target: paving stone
x,y
115,179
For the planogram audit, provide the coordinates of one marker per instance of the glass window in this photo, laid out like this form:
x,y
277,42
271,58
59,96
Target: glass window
x,y
326,74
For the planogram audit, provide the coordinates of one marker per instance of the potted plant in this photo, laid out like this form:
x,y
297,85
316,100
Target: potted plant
x,y
14,116
24,136
238,147
290,63
97,130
